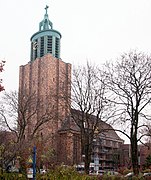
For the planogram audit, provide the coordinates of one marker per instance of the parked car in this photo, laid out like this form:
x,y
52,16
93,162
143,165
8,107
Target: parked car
x,y
43,171
101,172
147,174
129,175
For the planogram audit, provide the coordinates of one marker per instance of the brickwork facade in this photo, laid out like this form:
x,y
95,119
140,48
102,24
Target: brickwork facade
x,y
49,79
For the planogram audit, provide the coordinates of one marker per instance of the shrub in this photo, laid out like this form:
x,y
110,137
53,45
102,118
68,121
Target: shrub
x,y
126,171
13,176
146,170
134,178
106,177
64,173
117,178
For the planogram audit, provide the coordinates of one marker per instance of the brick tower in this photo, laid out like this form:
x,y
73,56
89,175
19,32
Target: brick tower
x,y
46,78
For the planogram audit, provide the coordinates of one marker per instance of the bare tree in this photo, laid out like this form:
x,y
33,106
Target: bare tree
x,y
88,103
19,115
6,148
129,82
2,63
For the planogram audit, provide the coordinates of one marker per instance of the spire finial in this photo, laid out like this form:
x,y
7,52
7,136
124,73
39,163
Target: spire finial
x,y
46,8
45,24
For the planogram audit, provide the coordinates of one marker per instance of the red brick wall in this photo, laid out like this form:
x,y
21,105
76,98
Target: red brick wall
x,y
49,78
69,148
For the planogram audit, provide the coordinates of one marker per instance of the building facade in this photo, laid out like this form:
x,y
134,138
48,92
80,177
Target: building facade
x,y
125,155
106,149
48,79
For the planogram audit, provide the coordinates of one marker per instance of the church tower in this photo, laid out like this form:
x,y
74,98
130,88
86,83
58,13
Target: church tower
x,y
46,40
45,78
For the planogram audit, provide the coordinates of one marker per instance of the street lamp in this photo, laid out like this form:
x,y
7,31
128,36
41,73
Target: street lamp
x,y
96,156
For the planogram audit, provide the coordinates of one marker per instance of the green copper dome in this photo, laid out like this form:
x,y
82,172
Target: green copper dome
x,y
46,40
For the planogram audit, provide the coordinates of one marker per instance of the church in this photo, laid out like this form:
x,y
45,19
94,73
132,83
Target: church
x,y
47,78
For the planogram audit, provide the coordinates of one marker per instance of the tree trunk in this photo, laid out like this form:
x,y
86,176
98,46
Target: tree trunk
x,y
87,159
134,154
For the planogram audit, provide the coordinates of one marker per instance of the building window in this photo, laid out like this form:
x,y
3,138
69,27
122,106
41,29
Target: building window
x,y
49,44
34,48
42,46
57,46
117,144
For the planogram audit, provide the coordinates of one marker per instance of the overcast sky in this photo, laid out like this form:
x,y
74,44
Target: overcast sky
x,y
96,31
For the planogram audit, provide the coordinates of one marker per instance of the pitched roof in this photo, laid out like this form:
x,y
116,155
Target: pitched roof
x,y
105,129
69,124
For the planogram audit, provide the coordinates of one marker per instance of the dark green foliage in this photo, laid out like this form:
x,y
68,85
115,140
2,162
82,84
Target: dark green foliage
x,y
12,176
64,173
148,161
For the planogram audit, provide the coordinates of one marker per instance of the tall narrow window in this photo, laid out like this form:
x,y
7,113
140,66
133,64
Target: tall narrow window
x,y
42,46
57,47
49,44
32,52
34,47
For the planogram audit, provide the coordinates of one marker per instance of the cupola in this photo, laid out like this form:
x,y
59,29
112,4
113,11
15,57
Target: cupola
x,y
46,40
